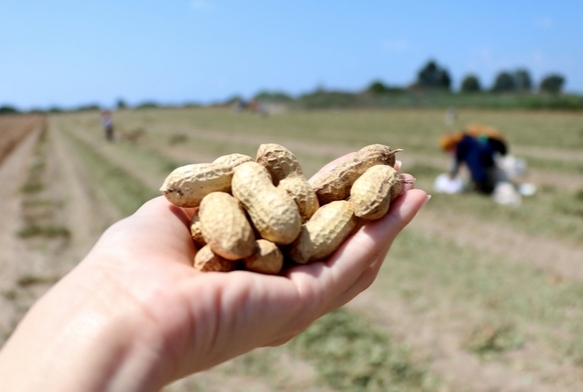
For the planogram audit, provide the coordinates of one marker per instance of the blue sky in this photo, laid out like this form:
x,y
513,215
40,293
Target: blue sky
x,y
68,53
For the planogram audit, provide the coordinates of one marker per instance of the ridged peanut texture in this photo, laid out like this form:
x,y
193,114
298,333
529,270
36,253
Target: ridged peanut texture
x,y
225,227
324,232
268,258
287,174
372,193
187,185
206,260
273,212
196,230
336,184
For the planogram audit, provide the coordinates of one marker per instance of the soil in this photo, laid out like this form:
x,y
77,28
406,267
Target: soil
x,y
70,201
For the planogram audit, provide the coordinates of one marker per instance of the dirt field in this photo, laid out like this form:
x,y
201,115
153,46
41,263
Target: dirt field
x,y
479,297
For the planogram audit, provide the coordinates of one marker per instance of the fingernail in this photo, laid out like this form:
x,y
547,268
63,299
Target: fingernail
x,y
426,200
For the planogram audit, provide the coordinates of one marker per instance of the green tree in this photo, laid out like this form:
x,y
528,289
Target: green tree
x,y
121,104
471,84
433,76
522,80
504,83
552,84
377,87
8,110
273,96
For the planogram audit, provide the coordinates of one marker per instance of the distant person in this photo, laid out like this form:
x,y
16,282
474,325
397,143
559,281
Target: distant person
x,y
450,116
489,135
493,170
476,154
107,124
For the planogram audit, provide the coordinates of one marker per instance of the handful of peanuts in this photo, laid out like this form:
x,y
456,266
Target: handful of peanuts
x,y
261,214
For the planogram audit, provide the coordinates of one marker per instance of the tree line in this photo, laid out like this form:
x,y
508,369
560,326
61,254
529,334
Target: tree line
x,y
433,76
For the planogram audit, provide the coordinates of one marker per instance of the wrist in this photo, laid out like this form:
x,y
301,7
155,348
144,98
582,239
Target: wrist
x,y
74,339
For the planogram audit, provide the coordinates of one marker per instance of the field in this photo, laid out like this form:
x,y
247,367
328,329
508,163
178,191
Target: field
x,y
473,296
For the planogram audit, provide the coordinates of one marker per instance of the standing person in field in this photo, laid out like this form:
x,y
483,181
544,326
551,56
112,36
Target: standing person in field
x,y
475,147
107,124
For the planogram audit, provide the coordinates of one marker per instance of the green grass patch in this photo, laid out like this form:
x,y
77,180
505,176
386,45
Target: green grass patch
x,y
350,355
125,191
488,341
500,299
33,187
570,204
46,231
31,280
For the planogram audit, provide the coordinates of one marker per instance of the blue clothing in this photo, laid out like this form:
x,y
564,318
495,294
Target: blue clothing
x,y
479,158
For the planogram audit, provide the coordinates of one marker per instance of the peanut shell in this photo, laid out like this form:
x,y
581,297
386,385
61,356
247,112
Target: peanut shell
x,y
287,174
372,192
187,185
268,258
196,230
273,212
335,185
324,232
233,160
206,260
225,227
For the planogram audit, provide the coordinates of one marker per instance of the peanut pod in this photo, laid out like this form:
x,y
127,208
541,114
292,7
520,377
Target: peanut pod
x,y
372,192
187,185
206,260
196,230
273,212
268,258
324,232
225,227
287,174
336,184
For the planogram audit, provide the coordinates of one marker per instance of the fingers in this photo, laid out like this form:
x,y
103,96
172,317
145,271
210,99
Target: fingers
x,y
363,282
346,273
157,229
374,239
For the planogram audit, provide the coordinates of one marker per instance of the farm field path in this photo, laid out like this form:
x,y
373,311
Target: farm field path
x,y
13,299
559,259
64,211
434,338
425,312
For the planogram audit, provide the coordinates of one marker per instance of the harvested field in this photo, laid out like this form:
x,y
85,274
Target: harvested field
x,y
473,296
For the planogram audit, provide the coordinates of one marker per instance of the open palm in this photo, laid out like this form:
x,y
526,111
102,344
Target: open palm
x,y
138,285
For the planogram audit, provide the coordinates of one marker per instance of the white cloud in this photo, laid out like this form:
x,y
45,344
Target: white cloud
x,y
201,5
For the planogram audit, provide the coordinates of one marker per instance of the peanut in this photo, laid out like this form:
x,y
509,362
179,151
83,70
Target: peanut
x,y
206,260
287,174
196,230
273,212
233,160
225,227
268,258
187,185
372,193
335,185
324,232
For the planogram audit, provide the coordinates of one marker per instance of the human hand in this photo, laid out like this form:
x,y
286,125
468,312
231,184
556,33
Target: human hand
x,y
135,315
